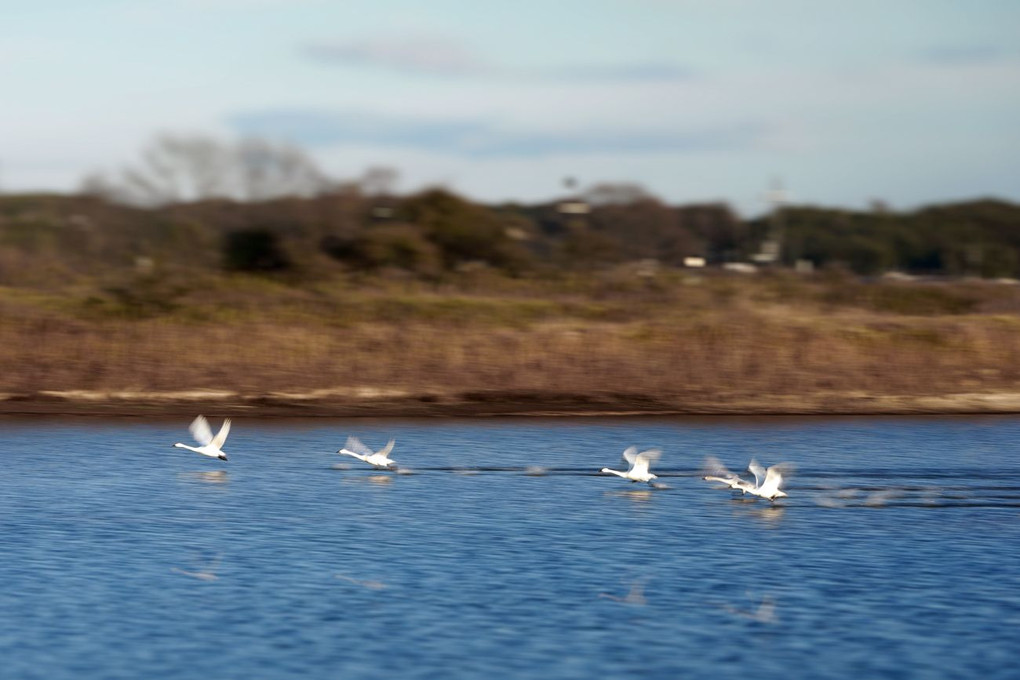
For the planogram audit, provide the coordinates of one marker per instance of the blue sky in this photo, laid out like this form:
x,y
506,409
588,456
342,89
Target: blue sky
x,y
907,101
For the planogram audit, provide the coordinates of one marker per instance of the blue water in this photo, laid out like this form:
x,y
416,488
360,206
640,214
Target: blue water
x,y
896,554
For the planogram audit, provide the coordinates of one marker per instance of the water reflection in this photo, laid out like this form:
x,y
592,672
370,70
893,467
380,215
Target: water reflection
x,y
762,612
364,583
769,514
205,476
635,596
380,480
205,572
638,495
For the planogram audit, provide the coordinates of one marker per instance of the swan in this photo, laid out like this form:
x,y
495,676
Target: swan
x,y
638,471
767,482
210,445
717,472
377,459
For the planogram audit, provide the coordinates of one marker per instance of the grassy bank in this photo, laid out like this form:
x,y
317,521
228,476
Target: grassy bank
x,y
671,339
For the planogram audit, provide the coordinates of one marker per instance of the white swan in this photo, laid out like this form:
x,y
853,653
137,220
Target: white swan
x,y
767,482
717,472
377,459
210,445
638,471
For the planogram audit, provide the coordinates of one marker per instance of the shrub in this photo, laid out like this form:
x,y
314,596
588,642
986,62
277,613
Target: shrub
x,y
393,245
254,250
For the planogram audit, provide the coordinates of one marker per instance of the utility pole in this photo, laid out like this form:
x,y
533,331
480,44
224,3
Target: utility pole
x,y
574,209
772,246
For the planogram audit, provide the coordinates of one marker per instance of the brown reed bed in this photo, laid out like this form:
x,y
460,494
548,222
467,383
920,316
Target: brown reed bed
x,y
671,342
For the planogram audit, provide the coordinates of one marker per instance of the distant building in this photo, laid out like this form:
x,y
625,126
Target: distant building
x,y
574,208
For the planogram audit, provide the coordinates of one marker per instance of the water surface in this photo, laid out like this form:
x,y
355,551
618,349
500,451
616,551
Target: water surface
x,y
897,553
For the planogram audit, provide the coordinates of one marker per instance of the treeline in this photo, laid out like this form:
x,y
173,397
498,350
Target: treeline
x,y
51,238
975,238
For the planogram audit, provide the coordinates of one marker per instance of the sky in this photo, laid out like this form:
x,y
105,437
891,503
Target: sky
x,y
910,102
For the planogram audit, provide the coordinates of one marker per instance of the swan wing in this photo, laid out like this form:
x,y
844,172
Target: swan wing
x,y
199,429
773,480
642,460
355,446
758,471
630,455
221,437
714,468
649,456
385,451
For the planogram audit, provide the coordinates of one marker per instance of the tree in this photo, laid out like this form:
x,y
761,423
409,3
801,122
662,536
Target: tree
x,y
725,236
616,193
464,231
645,228
378,181
267,170
178,169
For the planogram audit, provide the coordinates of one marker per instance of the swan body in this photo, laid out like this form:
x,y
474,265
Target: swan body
x,y
767,482
208,444
717,472
638,471
377,459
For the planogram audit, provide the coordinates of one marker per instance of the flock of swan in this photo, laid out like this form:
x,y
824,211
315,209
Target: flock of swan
x,y
766,481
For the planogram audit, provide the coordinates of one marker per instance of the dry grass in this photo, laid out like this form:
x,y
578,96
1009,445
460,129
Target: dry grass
x,y
709,338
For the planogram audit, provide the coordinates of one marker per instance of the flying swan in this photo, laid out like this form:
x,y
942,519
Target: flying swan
x,y
717,472
767,482
210,445
638,471
377,459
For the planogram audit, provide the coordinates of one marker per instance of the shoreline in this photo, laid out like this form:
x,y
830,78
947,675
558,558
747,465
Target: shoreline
x,y
363,403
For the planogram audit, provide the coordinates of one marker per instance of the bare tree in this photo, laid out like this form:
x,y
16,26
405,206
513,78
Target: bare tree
x,y
378,181
176,169
267,170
